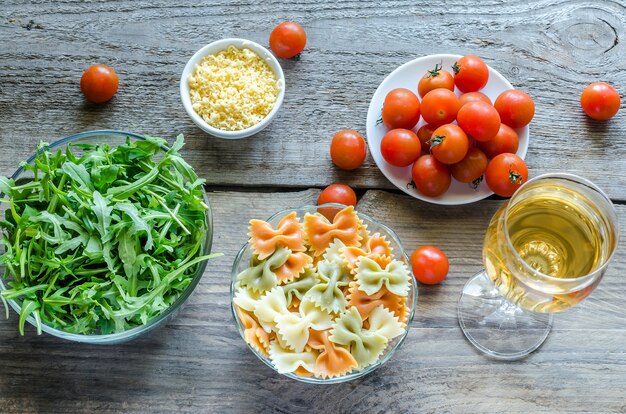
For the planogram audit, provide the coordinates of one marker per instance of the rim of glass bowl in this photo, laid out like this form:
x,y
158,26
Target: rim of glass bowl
x,y
396,342
138,330
584,280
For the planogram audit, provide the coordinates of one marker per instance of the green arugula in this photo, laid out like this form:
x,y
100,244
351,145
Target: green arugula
x,y
102,239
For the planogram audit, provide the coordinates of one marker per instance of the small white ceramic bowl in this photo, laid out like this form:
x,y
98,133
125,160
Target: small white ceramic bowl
x,y
213,48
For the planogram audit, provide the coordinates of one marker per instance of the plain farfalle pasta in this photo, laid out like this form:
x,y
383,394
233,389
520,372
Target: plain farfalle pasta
x,y
327,306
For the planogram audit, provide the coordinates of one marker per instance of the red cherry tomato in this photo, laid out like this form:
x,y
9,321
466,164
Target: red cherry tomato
x,y
474,97
401,109
600,101
287,40
430,265
337,193
99,83
471,167
470,73
347,149
449,144
479,120
400,147
515,107
439,107
435,79
431,177
505,174
506,140
425,133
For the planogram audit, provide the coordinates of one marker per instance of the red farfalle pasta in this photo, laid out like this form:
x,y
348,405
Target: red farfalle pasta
x,y
264,239
365,304
333,360
253,332
319,232
291,269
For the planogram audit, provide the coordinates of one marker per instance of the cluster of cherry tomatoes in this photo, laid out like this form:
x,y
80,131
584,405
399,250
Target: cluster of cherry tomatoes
x,y
461,134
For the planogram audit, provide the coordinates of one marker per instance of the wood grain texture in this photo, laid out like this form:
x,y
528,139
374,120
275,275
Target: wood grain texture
x,y
199,363
550,48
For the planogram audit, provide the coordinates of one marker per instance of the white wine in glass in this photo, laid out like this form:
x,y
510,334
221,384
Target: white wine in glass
x,y
545,251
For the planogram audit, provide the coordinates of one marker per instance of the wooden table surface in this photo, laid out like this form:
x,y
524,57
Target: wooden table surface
x,y
198,363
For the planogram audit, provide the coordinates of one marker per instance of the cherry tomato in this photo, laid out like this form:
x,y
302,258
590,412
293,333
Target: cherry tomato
x,y
471,167
347,149
474,97
337,193
470,73
287,40
425,133
515,107
435,79
401,109
480,120
506,140
430,265
431,177
99,83
400,147
440,107
600,101
505,174
449,144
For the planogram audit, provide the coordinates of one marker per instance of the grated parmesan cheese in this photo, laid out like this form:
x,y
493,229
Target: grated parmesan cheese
x,y
233,89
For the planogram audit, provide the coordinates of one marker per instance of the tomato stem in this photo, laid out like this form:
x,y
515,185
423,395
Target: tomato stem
x,y
474,184
410,185
514,176
456,68
434,72
436,140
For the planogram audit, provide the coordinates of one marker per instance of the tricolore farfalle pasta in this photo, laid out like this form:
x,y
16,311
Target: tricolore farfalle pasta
x,y
321,298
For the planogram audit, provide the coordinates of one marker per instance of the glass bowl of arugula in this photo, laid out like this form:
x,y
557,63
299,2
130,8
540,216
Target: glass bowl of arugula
x,y
104,236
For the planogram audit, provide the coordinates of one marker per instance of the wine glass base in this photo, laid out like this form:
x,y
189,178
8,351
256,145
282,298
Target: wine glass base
x,y
497,327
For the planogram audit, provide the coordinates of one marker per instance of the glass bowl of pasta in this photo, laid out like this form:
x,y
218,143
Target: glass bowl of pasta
x,y
322,294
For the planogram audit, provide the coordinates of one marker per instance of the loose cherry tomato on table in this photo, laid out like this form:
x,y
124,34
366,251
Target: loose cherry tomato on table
x,y
347,149
336,193
287,40
449,144
425,133
471,167
600,101
400,147
430,265
435,79
470,73
480,120
99,83
474,97
505,174
439,107
515,107
401,109
506,140
431,177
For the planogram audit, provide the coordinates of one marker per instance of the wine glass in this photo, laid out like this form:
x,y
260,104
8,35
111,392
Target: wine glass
x,y
545,251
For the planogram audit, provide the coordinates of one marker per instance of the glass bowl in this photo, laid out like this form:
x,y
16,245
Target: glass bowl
x,y
242,261
113,138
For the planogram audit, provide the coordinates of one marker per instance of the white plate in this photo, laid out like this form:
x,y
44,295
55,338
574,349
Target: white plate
x,y
408,76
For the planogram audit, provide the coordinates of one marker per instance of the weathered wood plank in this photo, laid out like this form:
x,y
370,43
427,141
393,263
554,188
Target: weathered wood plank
x,y
550,48
198,363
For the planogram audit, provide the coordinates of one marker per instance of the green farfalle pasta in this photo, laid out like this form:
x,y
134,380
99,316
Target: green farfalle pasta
x,y
301,286
371,277
327,294
260,276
